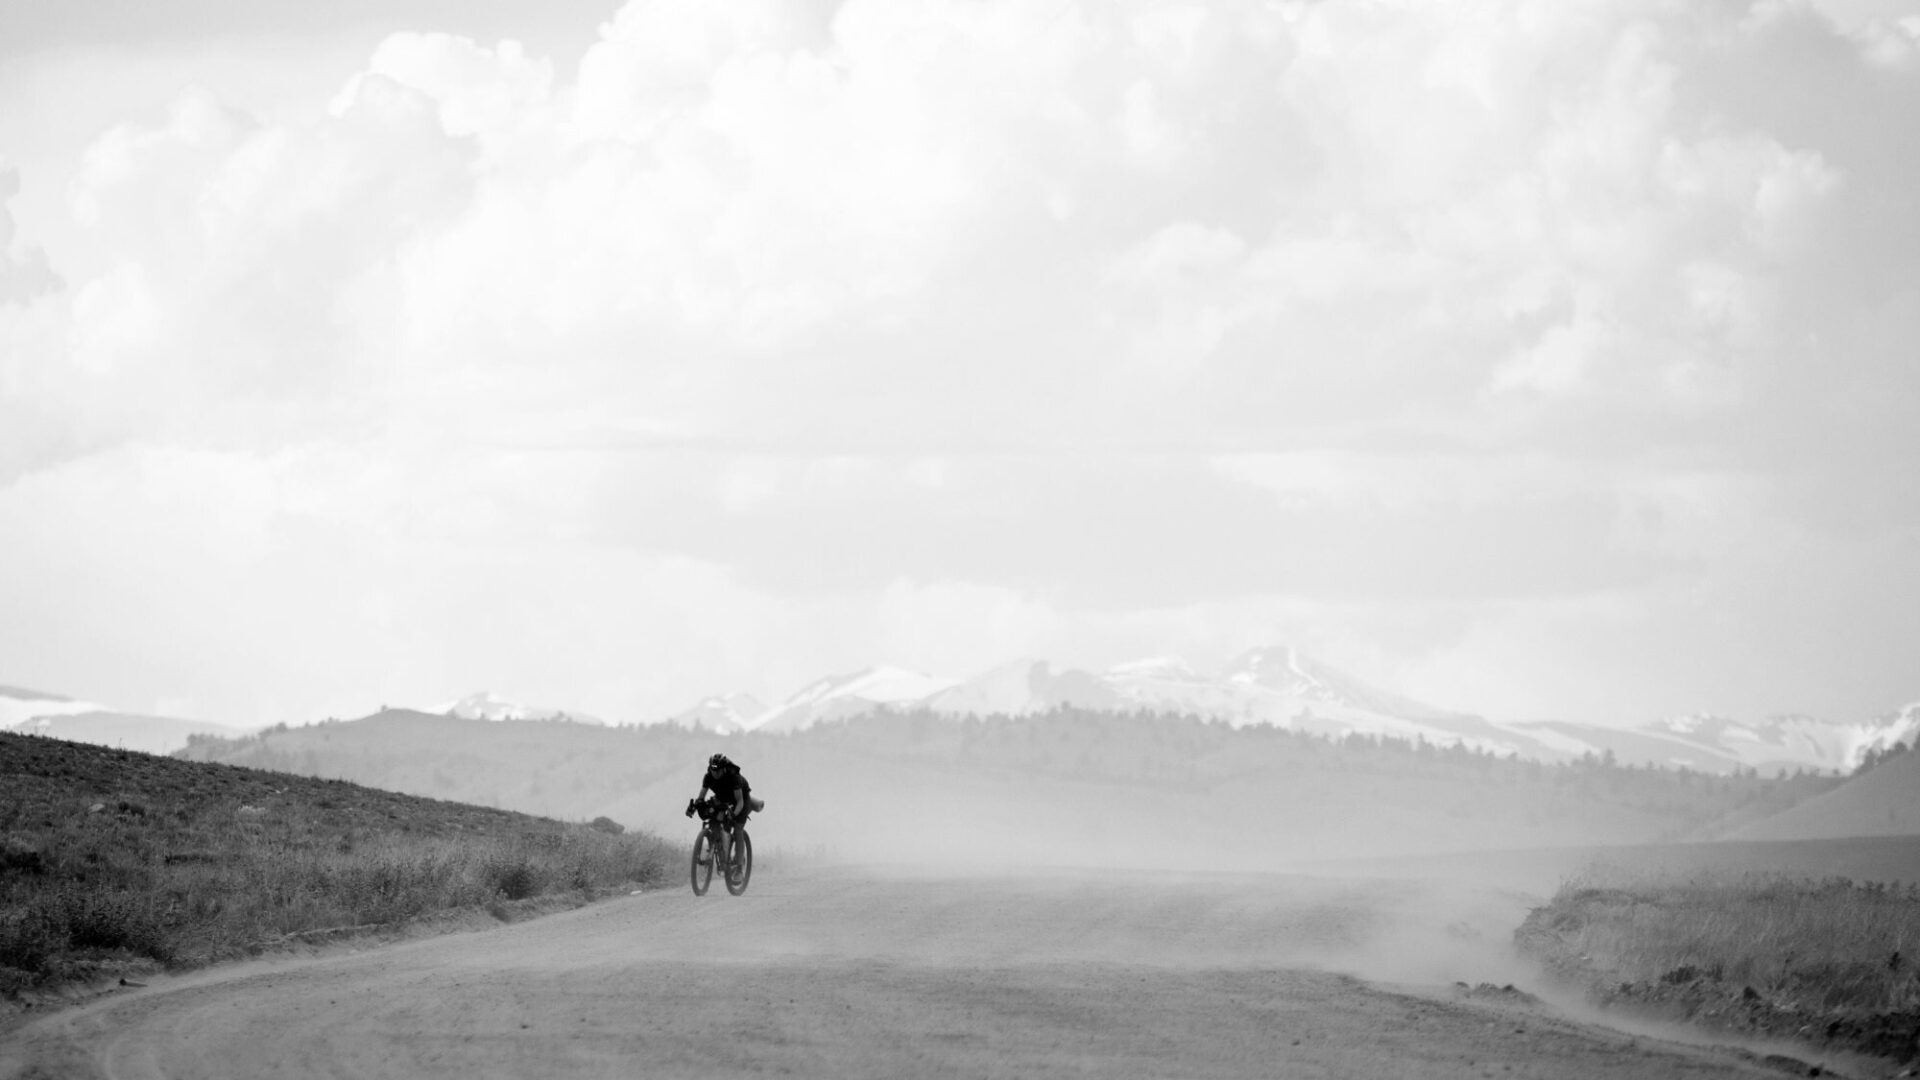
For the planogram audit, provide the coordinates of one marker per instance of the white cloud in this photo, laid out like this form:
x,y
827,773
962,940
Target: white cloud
x,y
778,191
492,94
115,317
25,273
1078,323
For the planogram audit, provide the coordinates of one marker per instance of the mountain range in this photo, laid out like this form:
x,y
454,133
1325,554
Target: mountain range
x,y
31,712
1283,687
484,705
1275,686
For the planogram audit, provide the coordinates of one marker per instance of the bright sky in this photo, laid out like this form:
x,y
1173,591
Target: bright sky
x,y
1537,358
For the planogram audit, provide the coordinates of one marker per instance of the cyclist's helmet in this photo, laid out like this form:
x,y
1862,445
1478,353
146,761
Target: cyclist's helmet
x,y
717,762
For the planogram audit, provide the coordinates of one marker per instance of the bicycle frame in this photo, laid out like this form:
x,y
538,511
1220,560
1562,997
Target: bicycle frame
x,y
719,844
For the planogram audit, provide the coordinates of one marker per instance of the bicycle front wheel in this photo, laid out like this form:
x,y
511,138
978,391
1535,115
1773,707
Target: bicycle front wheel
x,y
740,862
702,868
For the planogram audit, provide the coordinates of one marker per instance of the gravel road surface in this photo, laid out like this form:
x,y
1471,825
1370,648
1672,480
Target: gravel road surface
x,y
824,972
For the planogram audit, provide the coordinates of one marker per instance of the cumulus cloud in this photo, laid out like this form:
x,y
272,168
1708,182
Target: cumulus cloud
x,y
1530,203
247,299
1068,319
24,273
490,94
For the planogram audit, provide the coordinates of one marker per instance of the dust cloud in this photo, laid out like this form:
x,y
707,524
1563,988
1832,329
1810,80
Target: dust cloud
x,y
1204,858
893,812
1234,874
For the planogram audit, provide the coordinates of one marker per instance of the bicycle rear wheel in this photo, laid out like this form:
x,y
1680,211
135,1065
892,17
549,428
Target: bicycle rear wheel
x,y
740,864
701,871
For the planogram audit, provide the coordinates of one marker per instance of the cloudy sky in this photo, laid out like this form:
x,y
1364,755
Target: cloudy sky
x,y
1537,358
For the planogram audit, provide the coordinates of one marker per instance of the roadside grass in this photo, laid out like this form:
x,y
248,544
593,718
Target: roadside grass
x,y
111,859
1831,944
1828,960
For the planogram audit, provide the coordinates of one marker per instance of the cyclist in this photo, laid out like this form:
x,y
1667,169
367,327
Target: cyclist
x,y
730,789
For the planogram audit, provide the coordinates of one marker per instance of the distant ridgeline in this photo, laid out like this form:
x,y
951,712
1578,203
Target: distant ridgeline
x,y
1874,758
1118,779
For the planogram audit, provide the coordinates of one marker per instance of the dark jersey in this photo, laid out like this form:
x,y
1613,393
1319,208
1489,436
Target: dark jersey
x,y
724,785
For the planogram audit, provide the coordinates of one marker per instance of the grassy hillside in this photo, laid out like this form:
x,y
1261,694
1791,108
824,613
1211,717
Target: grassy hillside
x,y
110,858
1073,785
1883,800
1826,961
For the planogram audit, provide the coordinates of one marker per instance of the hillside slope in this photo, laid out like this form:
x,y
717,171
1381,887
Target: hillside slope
x,y
113,858
1883,801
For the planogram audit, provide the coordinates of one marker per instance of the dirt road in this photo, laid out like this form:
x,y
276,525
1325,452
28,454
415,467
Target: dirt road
x,y
836,973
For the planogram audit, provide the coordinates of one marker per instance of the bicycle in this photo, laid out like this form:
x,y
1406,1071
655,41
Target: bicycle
x,y
737,864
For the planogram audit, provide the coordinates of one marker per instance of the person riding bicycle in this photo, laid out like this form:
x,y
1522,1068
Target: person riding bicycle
x,y
729,788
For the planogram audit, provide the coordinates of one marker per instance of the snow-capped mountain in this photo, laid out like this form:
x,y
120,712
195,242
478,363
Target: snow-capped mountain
x,y
1276,686
720,715
1775,740
1283,687
1023,688
482,705
1297,677
841,696
1169,683
1711,743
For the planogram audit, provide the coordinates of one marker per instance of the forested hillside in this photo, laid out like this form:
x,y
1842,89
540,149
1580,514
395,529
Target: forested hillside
x,y
1157,789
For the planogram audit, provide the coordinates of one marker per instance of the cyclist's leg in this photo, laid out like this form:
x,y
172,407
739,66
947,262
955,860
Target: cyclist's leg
x,y
739,825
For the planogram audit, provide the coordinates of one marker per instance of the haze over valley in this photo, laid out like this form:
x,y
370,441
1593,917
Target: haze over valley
x,y
1273,686
1131,764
